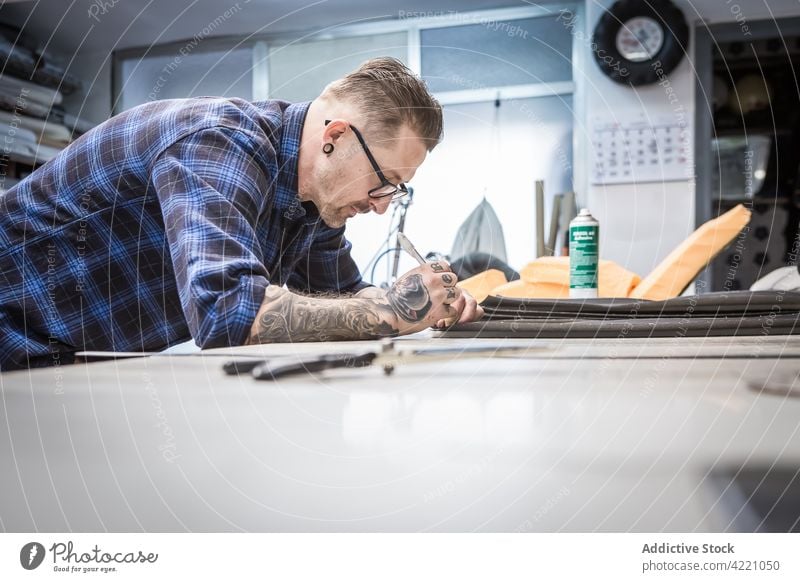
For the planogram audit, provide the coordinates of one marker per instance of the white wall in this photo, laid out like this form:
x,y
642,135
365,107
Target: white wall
x,y
496,154
639,223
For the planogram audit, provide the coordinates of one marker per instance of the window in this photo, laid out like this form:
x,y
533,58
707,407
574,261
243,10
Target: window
x,y
300,71
496,53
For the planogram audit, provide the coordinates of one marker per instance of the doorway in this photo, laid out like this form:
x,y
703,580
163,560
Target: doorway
x,y
747,144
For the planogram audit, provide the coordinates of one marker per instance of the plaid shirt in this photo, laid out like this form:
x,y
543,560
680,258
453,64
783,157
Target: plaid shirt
x,y
165,223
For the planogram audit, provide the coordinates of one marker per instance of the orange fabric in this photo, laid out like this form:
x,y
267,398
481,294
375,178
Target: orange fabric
x,y
526,290
683,264
481,285
549,277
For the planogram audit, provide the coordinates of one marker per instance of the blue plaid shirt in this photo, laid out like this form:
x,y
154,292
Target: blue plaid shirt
x,y
165,223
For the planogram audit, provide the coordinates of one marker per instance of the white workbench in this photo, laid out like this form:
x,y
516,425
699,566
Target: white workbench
x,y
577,435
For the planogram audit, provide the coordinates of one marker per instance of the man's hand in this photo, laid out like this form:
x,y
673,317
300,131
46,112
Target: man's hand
x,y
427,296
468,308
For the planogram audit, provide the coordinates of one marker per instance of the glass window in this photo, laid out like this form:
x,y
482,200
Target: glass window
x,y
299,71
217,73
497,54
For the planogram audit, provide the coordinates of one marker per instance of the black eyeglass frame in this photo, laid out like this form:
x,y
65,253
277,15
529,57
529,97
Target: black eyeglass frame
x,y
400,189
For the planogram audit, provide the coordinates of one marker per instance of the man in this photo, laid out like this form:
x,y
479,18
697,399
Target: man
x,y
185,219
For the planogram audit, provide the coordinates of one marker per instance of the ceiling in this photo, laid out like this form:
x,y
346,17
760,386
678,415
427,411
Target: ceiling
x,y
103,25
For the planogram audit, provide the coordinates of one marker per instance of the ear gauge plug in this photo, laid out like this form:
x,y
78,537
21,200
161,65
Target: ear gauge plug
x,y
327,148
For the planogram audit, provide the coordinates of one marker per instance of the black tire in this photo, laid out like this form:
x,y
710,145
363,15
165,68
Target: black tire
x,y
620,69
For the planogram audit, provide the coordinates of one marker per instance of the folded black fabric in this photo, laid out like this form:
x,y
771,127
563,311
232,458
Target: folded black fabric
x,y
733,303
630,328
736,313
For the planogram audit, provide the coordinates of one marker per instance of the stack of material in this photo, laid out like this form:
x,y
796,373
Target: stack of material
x,y
26,97
22,62
31,94
32,140
18,142
735,313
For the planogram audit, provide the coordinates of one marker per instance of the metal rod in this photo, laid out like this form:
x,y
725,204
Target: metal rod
x,y
551,240
539,218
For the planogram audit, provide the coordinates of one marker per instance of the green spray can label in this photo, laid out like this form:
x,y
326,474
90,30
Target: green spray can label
x,y
584,255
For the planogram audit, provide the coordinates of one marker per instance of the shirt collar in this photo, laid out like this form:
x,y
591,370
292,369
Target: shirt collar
x,y
287,200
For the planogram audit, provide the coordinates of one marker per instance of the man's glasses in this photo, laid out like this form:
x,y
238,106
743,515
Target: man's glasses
x,y
386,188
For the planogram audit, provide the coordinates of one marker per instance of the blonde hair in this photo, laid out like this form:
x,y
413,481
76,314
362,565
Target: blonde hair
x,y
389,95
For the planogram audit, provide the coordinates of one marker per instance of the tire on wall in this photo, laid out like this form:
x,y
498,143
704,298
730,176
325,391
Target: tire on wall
x,y
620,69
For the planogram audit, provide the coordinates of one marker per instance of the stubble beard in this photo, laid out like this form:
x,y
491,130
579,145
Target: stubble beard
x,y
329,212
332,220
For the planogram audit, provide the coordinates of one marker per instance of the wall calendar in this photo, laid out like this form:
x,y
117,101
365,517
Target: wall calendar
x,y
625,152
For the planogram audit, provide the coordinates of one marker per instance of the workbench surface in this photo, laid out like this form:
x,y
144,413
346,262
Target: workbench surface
x,y
575,435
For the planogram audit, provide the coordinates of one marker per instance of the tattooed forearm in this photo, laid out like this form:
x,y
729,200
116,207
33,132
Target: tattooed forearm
x,y
366,292
372,293
409,298
286,317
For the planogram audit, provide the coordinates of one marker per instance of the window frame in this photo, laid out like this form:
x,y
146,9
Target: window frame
x,y
260,43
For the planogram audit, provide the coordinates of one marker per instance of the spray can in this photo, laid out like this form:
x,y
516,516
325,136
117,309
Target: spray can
x,y
584,255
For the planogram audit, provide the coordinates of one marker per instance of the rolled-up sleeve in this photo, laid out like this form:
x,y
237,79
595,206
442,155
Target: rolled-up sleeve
x,y
211,193
328,266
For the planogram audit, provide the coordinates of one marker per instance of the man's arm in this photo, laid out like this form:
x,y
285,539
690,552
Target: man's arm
x,y
419,299
209,186
287,317
371,293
